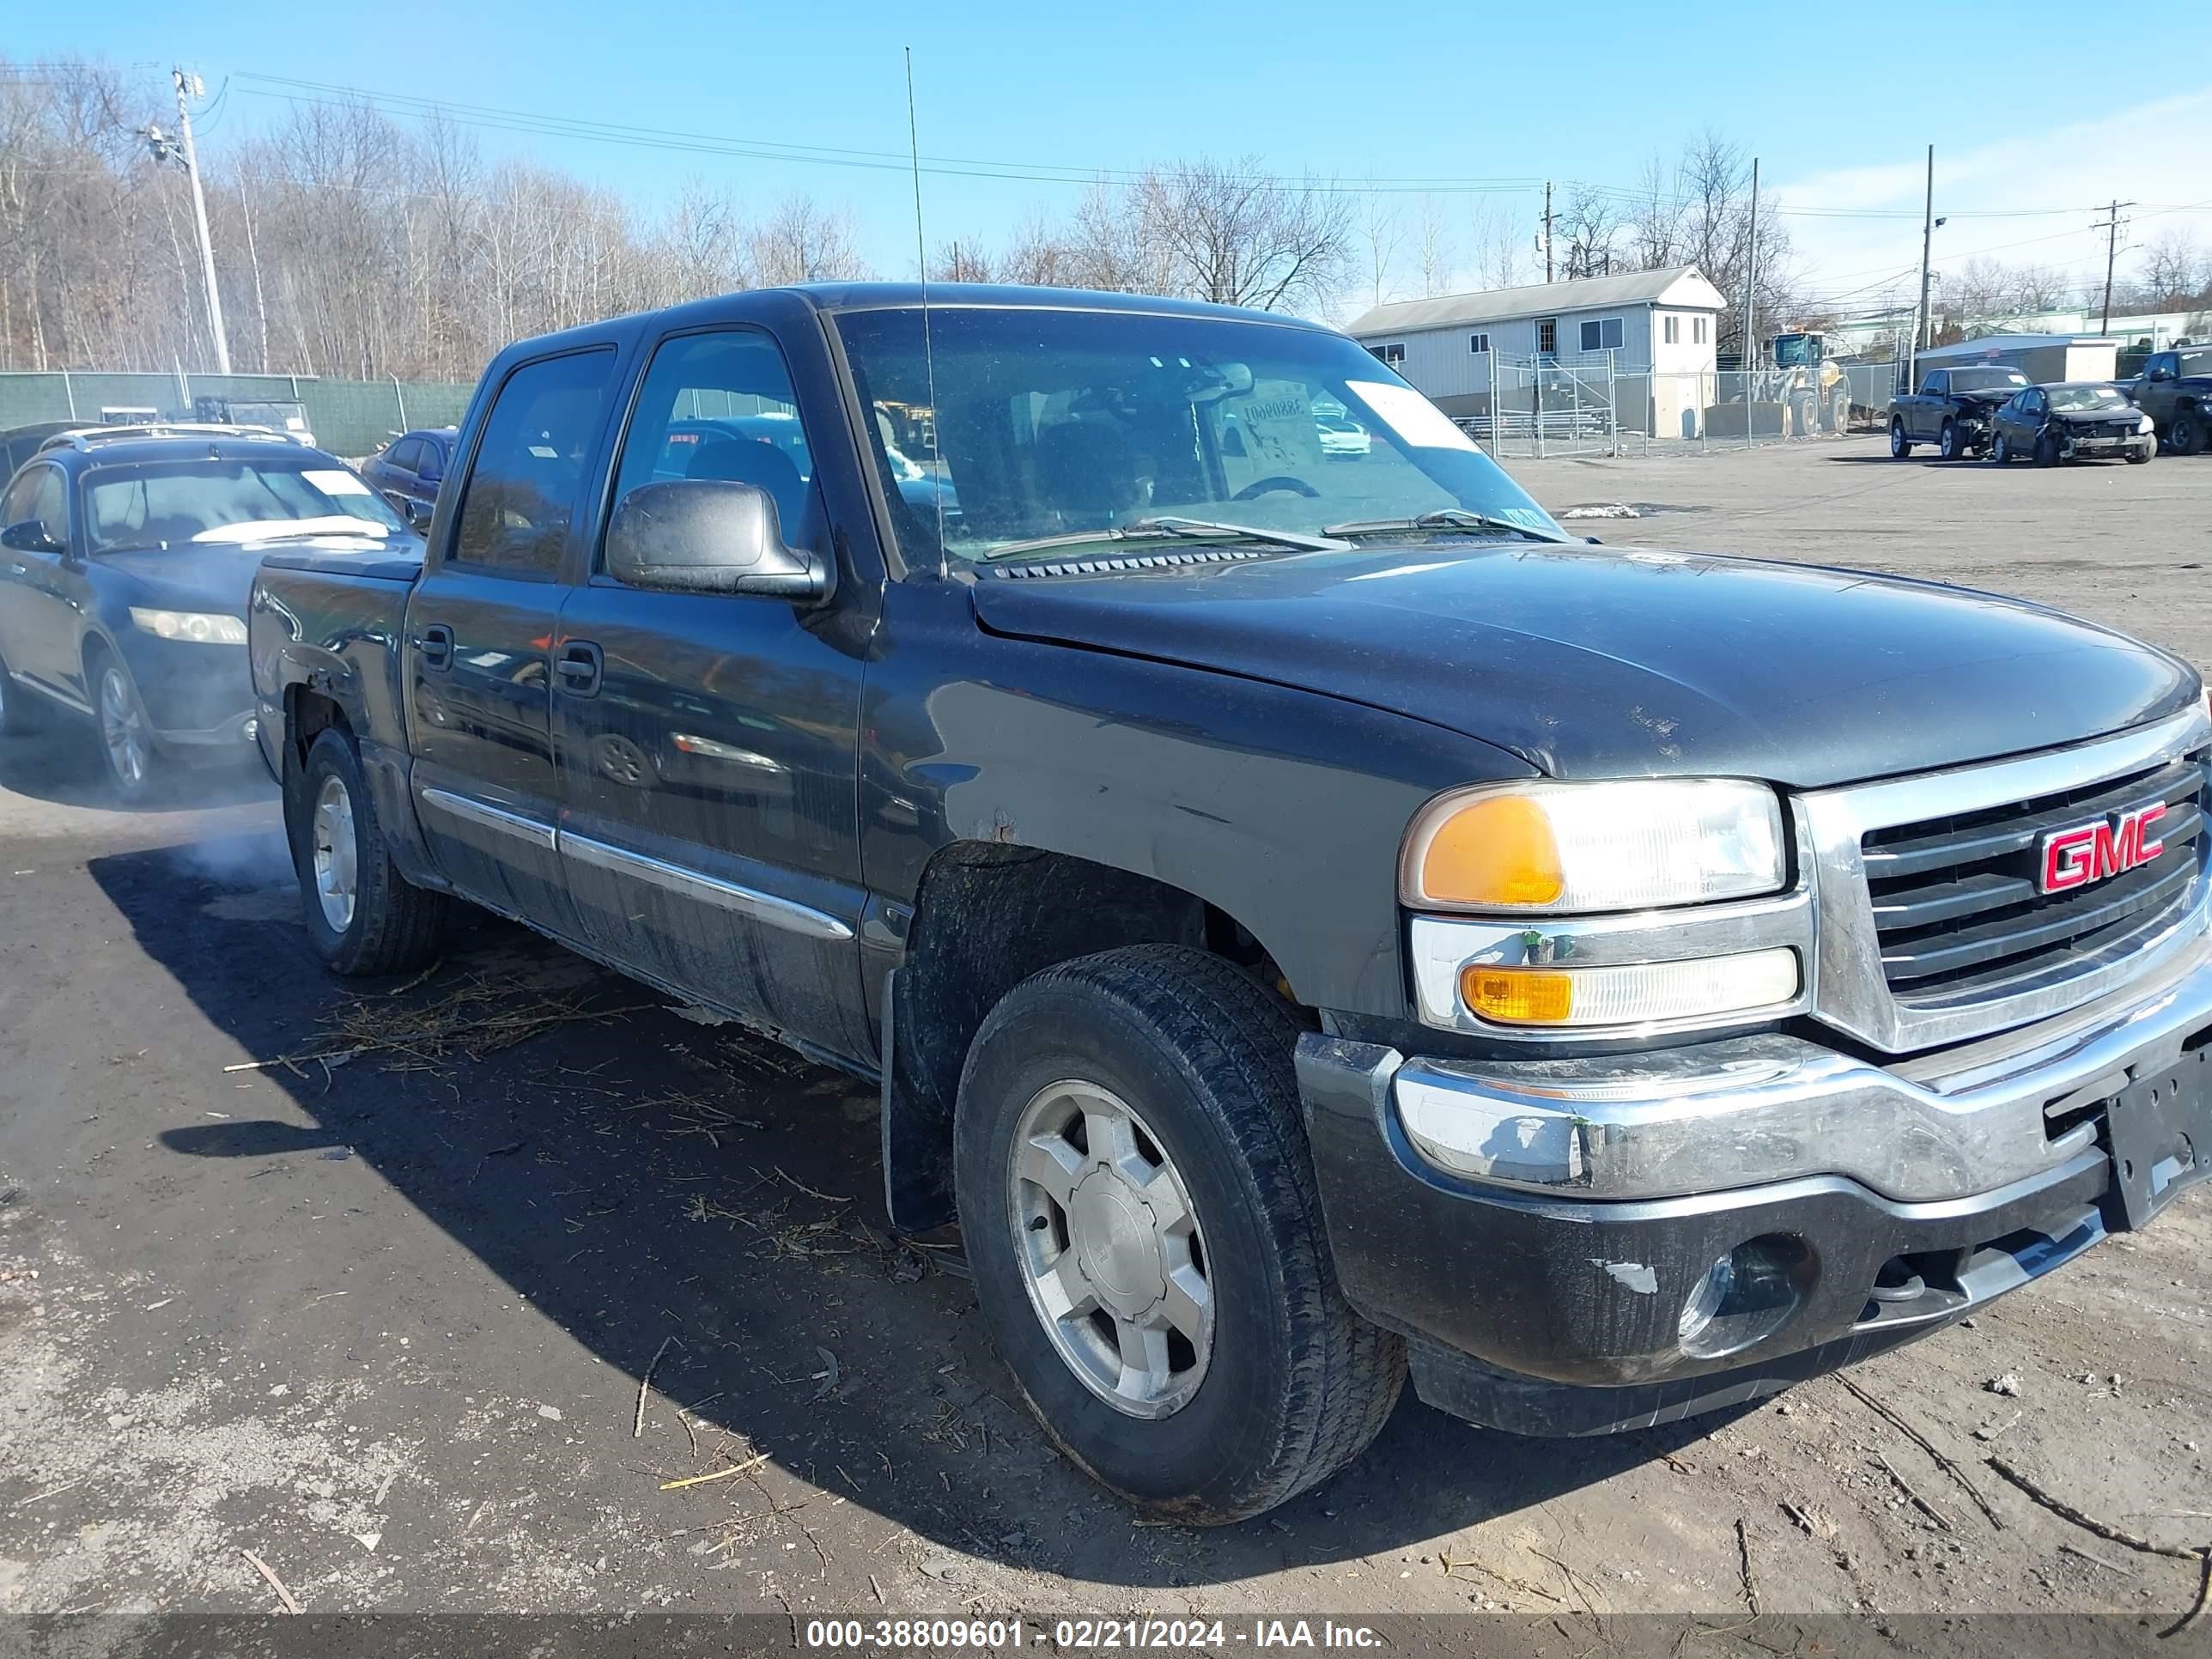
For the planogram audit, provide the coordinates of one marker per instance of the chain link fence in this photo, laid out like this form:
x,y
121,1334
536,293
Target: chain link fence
x,y
352,418
1599,405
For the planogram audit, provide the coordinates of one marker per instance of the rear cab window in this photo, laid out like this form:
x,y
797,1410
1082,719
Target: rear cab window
x,y
525,485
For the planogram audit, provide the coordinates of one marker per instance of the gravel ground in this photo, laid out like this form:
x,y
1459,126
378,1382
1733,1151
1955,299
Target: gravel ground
x,y
385,1323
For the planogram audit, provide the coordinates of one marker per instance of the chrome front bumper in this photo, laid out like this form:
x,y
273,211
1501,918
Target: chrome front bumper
x,y
1711,1117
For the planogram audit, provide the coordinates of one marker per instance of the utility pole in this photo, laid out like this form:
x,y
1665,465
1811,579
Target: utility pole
x,y
1547,230
1927,246
1751,282
2112,229
189,85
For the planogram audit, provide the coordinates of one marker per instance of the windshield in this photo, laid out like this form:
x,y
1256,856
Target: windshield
x,y
1985,380
1050,424
177,503
2074,399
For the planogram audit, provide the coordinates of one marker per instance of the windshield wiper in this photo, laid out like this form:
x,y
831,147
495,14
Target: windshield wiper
x,y
1443,517
1168,527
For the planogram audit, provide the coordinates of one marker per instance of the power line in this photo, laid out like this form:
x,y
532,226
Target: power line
x,y
544,124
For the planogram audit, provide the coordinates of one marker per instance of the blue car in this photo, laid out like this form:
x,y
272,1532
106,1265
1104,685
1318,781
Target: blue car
x,y
126,559
410,469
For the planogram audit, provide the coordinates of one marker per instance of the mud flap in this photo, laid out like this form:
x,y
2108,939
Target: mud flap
x,y
917,1142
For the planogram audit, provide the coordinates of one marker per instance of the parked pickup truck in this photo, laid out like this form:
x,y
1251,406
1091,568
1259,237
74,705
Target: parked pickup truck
x,y
1953,410
2175,390
1310,918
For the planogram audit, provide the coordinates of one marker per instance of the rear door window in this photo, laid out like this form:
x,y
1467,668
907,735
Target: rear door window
x,y
524,488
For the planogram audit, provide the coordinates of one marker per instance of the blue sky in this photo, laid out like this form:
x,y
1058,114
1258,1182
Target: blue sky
x,y
1839,105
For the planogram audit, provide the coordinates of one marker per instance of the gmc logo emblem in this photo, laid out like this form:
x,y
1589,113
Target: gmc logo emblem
x,y
2074,857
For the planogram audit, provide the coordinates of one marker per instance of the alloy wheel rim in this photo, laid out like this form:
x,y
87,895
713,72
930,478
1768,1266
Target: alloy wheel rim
x,y
1110,1249
337,857
123,729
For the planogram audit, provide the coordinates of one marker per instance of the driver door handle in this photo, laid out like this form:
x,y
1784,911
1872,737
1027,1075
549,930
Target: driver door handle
x,y
580,665
436,642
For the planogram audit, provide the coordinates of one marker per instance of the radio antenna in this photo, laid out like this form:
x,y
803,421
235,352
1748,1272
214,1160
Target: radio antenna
x,y
928,351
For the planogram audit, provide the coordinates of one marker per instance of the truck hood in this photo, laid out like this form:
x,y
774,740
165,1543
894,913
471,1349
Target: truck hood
x,y
1606,662
1993,398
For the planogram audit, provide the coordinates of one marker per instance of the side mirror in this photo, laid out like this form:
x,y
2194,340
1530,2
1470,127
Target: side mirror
x,y
29,536
709,536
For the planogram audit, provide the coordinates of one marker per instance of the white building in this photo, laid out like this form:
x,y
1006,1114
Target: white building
x,y
1662,324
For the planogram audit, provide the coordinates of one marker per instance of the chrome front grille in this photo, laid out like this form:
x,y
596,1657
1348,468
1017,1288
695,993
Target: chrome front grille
x,y
1955,899
1930,930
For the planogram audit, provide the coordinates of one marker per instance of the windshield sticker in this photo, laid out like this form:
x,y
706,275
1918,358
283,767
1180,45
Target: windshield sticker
x,y
1411,416
332,483
1277,423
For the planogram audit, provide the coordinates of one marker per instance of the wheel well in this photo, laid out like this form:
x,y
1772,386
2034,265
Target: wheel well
x,y
989,916
308,714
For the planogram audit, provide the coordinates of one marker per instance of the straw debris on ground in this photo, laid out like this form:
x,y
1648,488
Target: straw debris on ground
x,y
464,1019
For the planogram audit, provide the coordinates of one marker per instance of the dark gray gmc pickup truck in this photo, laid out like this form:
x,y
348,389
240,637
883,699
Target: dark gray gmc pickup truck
x,y
1311,919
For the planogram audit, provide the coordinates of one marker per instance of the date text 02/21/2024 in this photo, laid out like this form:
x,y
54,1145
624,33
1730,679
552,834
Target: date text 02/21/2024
x,y
991,1635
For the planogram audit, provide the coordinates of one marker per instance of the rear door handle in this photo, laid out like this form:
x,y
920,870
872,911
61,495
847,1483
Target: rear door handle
x,y
580,665
436,642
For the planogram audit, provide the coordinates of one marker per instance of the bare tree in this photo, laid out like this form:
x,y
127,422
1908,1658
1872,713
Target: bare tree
x,y
1439,256
961,261
2175,273
1381,234
803,242
1979,292
1498,240
1656,229
2038,288
1590,224
1234,235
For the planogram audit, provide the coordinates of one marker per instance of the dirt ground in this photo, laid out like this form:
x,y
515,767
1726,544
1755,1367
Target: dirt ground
x,y
441,1327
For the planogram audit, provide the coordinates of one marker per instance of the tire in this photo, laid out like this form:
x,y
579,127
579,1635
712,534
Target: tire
x,y
1290,1385
121,726
2000,451
2046,450
2184,435
1947,442
17,713
387,925
1900,447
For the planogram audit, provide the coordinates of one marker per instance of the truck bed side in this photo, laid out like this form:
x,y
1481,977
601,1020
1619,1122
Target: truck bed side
x,y
324,632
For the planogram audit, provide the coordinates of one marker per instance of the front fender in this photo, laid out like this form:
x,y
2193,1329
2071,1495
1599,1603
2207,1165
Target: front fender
x,y
1282,808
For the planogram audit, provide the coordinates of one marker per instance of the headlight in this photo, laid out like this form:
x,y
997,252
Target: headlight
x,y
205,628
1566,848
2143,424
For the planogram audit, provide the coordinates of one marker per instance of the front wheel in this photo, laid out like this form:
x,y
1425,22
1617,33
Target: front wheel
x,y
1947,442
1899,444
1140,1215
2000,451
2046,450
2185,435
363,917
126,736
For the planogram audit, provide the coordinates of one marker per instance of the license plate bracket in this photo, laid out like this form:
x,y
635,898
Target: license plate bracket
x,y
2160,1130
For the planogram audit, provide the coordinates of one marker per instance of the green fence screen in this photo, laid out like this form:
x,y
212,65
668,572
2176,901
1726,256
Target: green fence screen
x,y
353,418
